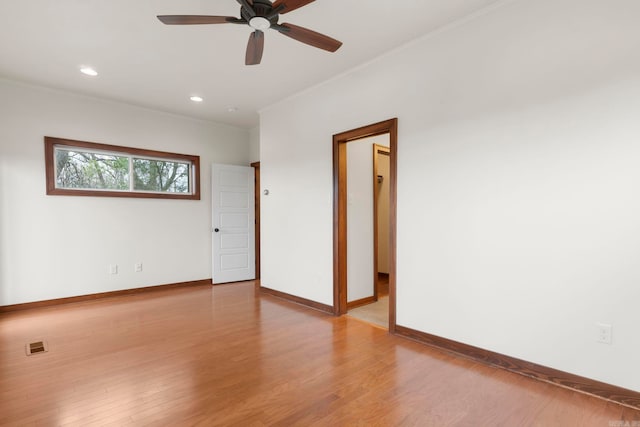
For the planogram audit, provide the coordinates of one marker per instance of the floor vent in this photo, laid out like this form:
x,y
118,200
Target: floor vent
x,y
36,348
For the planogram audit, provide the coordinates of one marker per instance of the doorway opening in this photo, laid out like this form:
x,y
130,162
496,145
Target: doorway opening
x,y
341,234
368,170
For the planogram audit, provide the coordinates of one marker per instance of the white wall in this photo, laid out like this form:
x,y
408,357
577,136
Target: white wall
x,y
518,195
360,278
254,144
60,246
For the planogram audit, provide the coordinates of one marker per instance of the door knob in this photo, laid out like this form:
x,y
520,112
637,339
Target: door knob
x,y
216,229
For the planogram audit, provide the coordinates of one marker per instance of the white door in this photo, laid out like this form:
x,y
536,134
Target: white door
x,y
233,223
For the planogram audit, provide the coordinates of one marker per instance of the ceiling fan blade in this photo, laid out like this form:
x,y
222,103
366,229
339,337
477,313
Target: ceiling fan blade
x,y
196,19
254,48
289,5
308,36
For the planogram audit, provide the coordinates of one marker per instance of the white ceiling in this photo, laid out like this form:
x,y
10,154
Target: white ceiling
x,y
143,62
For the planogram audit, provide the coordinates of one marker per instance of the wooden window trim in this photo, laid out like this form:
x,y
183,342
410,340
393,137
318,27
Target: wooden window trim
x,y
49,146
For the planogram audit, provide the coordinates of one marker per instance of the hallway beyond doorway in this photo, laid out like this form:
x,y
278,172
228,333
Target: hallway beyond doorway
x,y
376,313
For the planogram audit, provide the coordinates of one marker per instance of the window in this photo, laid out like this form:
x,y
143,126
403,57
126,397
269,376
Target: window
x,y
77,168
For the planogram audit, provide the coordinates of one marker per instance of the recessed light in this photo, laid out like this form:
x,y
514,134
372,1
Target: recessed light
x,y
88,71
231,109
196,98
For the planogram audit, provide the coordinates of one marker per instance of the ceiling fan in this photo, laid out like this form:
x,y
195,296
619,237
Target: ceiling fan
x,y
261,15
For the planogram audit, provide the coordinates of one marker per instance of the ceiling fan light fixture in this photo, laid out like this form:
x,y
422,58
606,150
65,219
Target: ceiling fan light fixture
x,y
259,23
88,71
196,98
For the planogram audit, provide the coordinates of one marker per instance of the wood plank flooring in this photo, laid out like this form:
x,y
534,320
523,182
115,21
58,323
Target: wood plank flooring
x,y
229,356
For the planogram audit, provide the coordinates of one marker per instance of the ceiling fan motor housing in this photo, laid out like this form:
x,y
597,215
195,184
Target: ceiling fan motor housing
x,y
262,8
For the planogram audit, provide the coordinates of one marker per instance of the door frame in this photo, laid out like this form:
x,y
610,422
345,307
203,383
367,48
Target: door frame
x,y
340,142
256,167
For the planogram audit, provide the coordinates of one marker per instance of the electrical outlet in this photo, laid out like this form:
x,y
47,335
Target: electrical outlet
x,y
604,333
113,269
137,267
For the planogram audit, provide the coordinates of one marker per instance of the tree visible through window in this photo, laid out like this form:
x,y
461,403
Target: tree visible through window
x,y
86,168
76,169
160,175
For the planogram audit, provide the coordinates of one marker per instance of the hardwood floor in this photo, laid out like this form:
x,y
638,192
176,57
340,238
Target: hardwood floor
x,y
227,355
